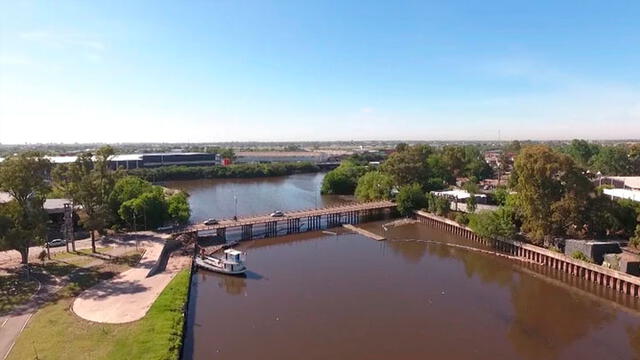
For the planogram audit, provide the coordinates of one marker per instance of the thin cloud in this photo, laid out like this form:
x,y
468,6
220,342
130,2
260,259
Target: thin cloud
x,y
59,40
8,59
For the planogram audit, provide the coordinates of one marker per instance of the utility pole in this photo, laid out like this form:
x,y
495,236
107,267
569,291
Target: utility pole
x,y
68,227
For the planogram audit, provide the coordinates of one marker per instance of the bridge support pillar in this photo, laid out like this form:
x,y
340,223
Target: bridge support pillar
x,y
271,228
247,232
293,226
222,233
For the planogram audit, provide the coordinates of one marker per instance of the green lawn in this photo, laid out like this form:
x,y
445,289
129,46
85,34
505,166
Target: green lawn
x,y
56,333
14,290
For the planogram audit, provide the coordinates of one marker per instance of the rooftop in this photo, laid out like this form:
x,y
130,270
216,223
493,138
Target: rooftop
x,y
624,194
457,193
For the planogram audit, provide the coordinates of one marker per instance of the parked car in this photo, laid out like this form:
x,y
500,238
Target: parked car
x,y
277,213
56,242
210,222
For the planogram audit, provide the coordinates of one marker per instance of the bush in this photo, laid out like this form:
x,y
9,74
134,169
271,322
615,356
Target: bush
x,y
462,219
342,180
410,198
579,255
493,224
635,240
500,196
374,185
438,205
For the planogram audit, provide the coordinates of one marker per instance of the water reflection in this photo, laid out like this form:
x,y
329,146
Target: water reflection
x,y
216,198
548,319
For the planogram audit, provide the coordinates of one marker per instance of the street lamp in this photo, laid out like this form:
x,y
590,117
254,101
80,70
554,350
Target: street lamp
x,y
235,200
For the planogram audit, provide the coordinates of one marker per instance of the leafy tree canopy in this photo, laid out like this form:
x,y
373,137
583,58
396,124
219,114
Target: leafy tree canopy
x,y
374,185
410,198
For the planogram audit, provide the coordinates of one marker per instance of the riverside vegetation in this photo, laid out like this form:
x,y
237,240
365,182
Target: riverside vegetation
x,y
549,194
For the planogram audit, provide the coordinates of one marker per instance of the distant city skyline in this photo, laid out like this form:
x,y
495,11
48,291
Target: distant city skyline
x,y
166,71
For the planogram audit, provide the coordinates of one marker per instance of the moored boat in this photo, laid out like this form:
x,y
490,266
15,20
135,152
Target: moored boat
x,y
232,263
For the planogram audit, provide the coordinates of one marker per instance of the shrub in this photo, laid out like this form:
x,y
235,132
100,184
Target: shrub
x,y
410,198
579,255
462,219
493,224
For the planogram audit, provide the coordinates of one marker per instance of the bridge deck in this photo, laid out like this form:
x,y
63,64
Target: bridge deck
x,y
299,214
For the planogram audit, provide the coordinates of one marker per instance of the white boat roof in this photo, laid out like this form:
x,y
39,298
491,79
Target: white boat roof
x,y
232,252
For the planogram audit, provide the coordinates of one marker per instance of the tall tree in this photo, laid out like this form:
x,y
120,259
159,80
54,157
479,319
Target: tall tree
x,y
374,185
343,179
89,182
410,198
612,160
409,165
23,219
550,191
582,151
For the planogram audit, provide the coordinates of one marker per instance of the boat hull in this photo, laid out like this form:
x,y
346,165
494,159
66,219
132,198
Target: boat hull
x,y
207,266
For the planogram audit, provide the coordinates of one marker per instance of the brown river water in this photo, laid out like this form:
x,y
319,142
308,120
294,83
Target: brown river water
x,y
418,295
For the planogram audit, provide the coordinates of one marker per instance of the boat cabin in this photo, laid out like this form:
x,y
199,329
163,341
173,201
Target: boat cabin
x,y
233,255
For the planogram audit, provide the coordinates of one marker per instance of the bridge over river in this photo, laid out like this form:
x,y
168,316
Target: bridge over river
x,y
295,221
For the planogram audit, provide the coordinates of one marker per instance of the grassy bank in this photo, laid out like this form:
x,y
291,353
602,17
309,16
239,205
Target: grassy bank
x,y
214,172
56,333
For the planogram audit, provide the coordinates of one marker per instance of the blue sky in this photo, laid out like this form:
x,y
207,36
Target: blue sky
x,y
129,71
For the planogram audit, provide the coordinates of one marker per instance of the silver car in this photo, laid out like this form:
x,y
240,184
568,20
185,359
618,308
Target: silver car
x,y
210,222
277,213
56,242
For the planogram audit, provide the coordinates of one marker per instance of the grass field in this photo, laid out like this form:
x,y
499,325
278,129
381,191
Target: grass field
x,y
14,290
56,333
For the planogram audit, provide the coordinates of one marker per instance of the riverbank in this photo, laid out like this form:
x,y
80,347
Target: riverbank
x,y
56,332
156,336
234,171
616,280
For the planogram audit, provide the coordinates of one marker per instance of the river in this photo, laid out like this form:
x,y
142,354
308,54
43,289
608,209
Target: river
x,y
417,295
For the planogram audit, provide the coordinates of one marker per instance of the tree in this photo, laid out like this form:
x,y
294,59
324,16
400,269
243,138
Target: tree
x,y
89,183
500,195
634,159
494,224
408,166
612,160
410,198
582,152
635,240
228,153
374,185
401,147
150,208
178,208
549,190
474,164
125,189
23,219
439,205
513,147
472,204
343,179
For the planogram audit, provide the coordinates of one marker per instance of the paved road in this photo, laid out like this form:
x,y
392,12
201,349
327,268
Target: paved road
x,y
11,324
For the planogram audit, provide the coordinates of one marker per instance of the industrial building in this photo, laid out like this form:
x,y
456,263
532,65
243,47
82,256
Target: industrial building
x,y
135,161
